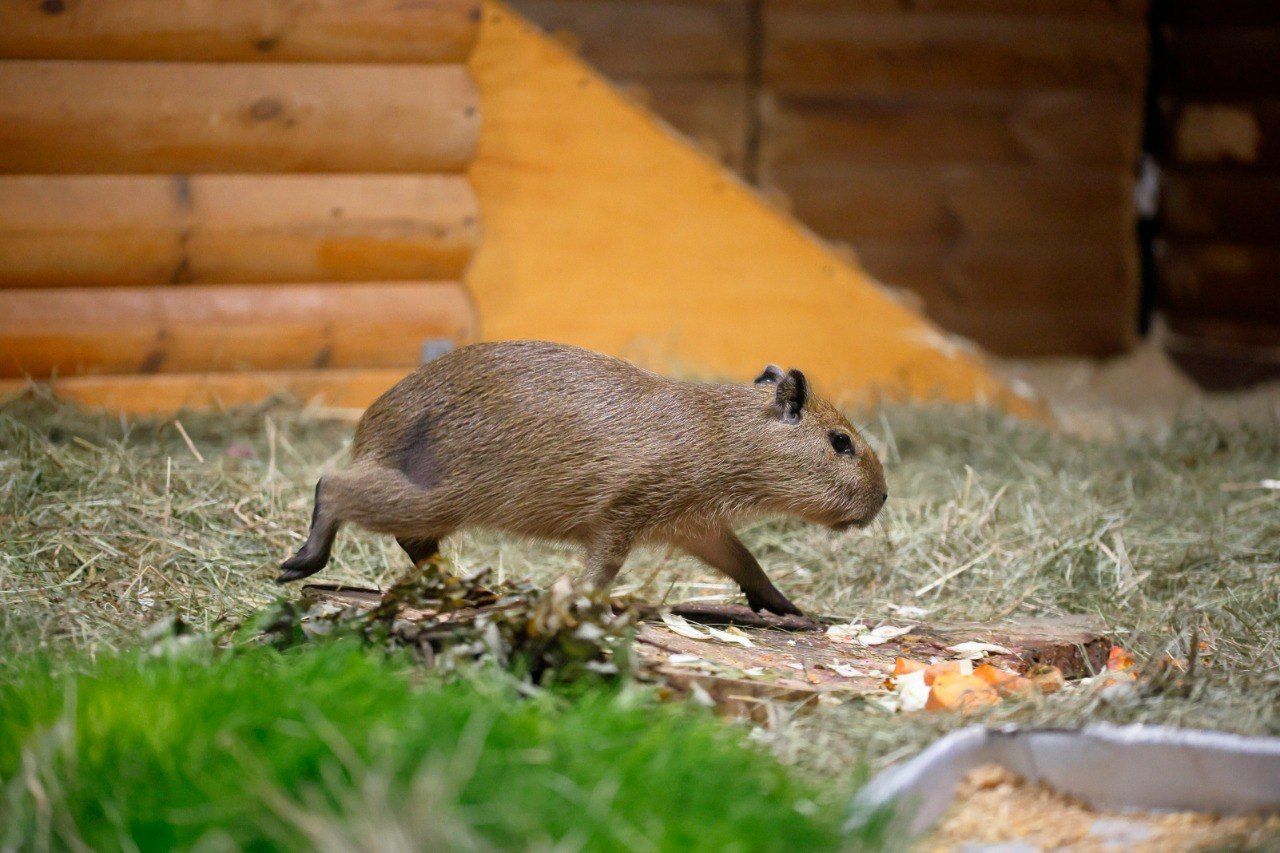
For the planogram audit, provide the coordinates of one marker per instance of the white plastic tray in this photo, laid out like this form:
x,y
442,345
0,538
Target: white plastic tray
x,y
1113,768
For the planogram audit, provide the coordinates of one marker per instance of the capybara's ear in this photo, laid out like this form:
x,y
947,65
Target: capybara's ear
x,y
771,376
793,391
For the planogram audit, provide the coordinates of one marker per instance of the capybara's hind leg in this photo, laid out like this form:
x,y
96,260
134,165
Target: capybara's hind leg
x,y
314,553
375,498
420,550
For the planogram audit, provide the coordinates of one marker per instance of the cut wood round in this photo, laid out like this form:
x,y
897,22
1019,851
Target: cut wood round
x,y
70,331
133,230
240,30
112,117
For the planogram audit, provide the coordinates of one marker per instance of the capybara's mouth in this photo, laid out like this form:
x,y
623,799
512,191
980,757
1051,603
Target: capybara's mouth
x,y
842,526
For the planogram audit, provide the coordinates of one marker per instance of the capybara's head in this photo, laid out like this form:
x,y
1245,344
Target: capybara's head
x,y
821,468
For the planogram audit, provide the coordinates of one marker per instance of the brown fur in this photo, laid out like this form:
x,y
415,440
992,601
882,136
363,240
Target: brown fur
x,y
558,442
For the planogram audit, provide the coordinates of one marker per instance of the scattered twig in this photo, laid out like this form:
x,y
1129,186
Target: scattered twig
x,y
191,445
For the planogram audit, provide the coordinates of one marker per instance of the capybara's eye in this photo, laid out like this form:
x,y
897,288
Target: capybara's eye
x,y
841,443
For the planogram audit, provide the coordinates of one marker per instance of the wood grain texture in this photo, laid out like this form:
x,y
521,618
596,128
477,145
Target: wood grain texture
x,y
130,117
1223,62
889,53
168,393
711,113
1019,298
1257,13
605,230
1103,10
1222,206
72,331
143,230
650,39
954,202
1086,128
240,30
1230,281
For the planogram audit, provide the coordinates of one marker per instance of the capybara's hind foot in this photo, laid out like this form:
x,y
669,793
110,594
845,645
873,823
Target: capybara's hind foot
x,y
314,553
301,565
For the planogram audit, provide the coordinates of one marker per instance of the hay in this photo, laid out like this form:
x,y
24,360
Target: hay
x,y
995,807
107,525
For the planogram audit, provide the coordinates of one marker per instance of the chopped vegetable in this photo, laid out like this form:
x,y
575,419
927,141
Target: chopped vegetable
x,y
1119,659
953,691
1006,683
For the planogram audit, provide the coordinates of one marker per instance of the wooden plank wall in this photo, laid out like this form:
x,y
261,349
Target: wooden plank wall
x,y
1217,249
688,60
229,185
981,153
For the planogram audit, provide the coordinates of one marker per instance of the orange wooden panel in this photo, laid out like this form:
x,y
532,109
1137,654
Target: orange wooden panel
x,y
104,117
124,230
68,331
604,229
240,30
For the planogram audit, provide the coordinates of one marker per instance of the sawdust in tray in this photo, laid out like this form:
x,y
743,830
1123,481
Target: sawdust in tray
x,y
995,806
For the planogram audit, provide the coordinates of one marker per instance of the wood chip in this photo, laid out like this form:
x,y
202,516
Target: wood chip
x,y
679,625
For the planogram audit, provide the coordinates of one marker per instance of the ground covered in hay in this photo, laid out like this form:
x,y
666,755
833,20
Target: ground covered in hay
x,y
1172,537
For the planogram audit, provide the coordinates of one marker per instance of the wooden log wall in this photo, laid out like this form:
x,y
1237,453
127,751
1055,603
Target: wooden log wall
x,y
1217,248
981,153
228,185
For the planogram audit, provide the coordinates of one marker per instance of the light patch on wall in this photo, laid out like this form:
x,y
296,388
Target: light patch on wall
x,y
1214,133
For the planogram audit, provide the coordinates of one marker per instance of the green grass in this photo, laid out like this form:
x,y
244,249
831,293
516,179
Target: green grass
x,y
341,747
1165,536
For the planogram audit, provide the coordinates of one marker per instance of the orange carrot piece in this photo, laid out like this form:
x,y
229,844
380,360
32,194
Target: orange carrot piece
x,y
1119,659
902,666
1005,682
964,693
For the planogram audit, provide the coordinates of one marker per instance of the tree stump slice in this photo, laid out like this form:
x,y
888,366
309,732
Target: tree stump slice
x,y
792,659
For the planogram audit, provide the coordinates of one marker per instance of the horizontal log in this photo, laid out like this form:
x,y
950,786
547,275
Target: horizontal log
x,y
72,331
139,230
1019,298
165,393
1094,129
1231,207
944,202
240,30
868,53
109,117
1222,280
